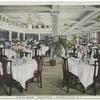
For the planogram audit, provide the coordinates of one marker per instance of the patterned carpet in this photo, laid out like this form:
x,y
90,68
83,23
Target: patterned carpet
x,y
52,83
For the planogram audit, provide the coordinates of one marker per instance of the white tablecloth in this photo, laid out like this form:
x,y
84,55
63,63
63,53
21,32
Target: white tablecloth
x,y
42,50
27,50
22,72
9,53
84,71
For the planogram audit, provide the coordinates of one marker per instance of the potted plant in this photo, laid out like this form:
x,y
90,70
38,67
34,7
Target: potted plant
x,y
58,46
61,47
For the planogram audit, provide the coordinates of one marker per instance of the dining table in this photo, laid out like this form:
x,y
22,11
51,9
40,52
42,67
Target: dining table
x,y
22,69
42,51
83,70
10,53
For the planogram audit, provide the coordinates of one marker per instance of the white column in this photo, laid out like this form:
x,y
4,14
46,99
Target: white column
x,y
23,36
38,36
54,17
10,35
18,36
96,37
88,34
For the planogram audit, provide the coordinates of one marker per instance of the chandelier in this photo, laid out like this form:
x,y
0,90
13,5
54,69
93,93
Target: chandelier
x,y
29,23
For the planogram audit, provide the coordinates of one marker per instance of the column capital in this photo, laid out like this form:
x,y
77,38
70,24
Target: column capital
x,y
55,13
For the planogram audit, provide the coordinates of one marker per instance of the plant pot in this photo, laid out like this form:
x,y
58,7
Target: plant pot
x,y
52,62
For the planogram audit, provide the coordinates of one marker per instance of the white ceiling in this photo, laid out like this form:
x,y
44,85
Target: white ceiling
x,y
71,19
36,17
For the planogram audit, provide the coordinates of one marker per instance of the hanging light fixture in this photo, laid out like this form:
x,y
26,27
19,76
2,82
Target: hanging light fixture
x,y
29,22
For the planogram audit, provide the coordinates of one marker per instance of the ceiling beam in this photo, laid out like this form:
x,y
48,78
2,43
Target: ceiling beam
x,y
25,9
82,20
93,26
78,9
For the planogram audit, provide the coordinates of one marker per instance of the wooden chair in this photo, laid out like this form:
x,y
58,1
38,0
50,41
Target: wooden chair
x,y
5,76
26,54
96,76
38,72
65,72
68,77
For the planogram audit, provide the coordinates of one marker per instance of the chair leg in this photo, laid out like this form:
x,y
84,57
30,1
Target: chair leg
x,y
37,79
40,81
82,89
21,89
26,86
64,80
68,84
94,86
71,82
32,80
1,84
63,84
67,88
10,90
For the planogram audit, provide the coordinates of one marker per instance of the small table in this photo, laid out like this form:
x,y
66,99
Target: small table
x,y
84,71
25,71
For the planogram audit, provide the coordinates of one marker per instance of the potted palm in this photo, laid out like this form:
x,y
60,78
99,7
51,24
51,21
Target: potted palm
x,y
58,47
61,47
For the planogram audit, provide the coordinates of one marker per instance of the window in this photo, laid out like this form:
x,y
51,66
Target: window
x,y
0,17
7,20
47,26
36,26
42,26
3,19
17,24
32,26
12,22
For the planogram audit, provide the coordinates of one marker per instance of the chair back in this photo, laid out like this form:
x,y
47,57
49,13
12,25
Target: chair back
x,y
97,69
2,52
96,75
26,54
65,65
96,62
39,60
5,68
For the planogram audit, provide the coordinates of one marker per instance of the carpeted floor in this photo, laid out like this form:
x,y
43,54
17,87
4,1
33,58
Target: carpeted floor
x,y
52,83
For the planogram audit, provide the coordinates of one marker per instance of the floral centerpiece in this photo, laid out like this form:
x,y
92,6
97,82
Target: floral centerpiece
x,y
18,49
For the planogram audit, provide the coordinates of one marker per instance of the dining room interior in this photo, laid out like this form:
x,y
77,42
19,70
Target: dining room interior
x,y
49,49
